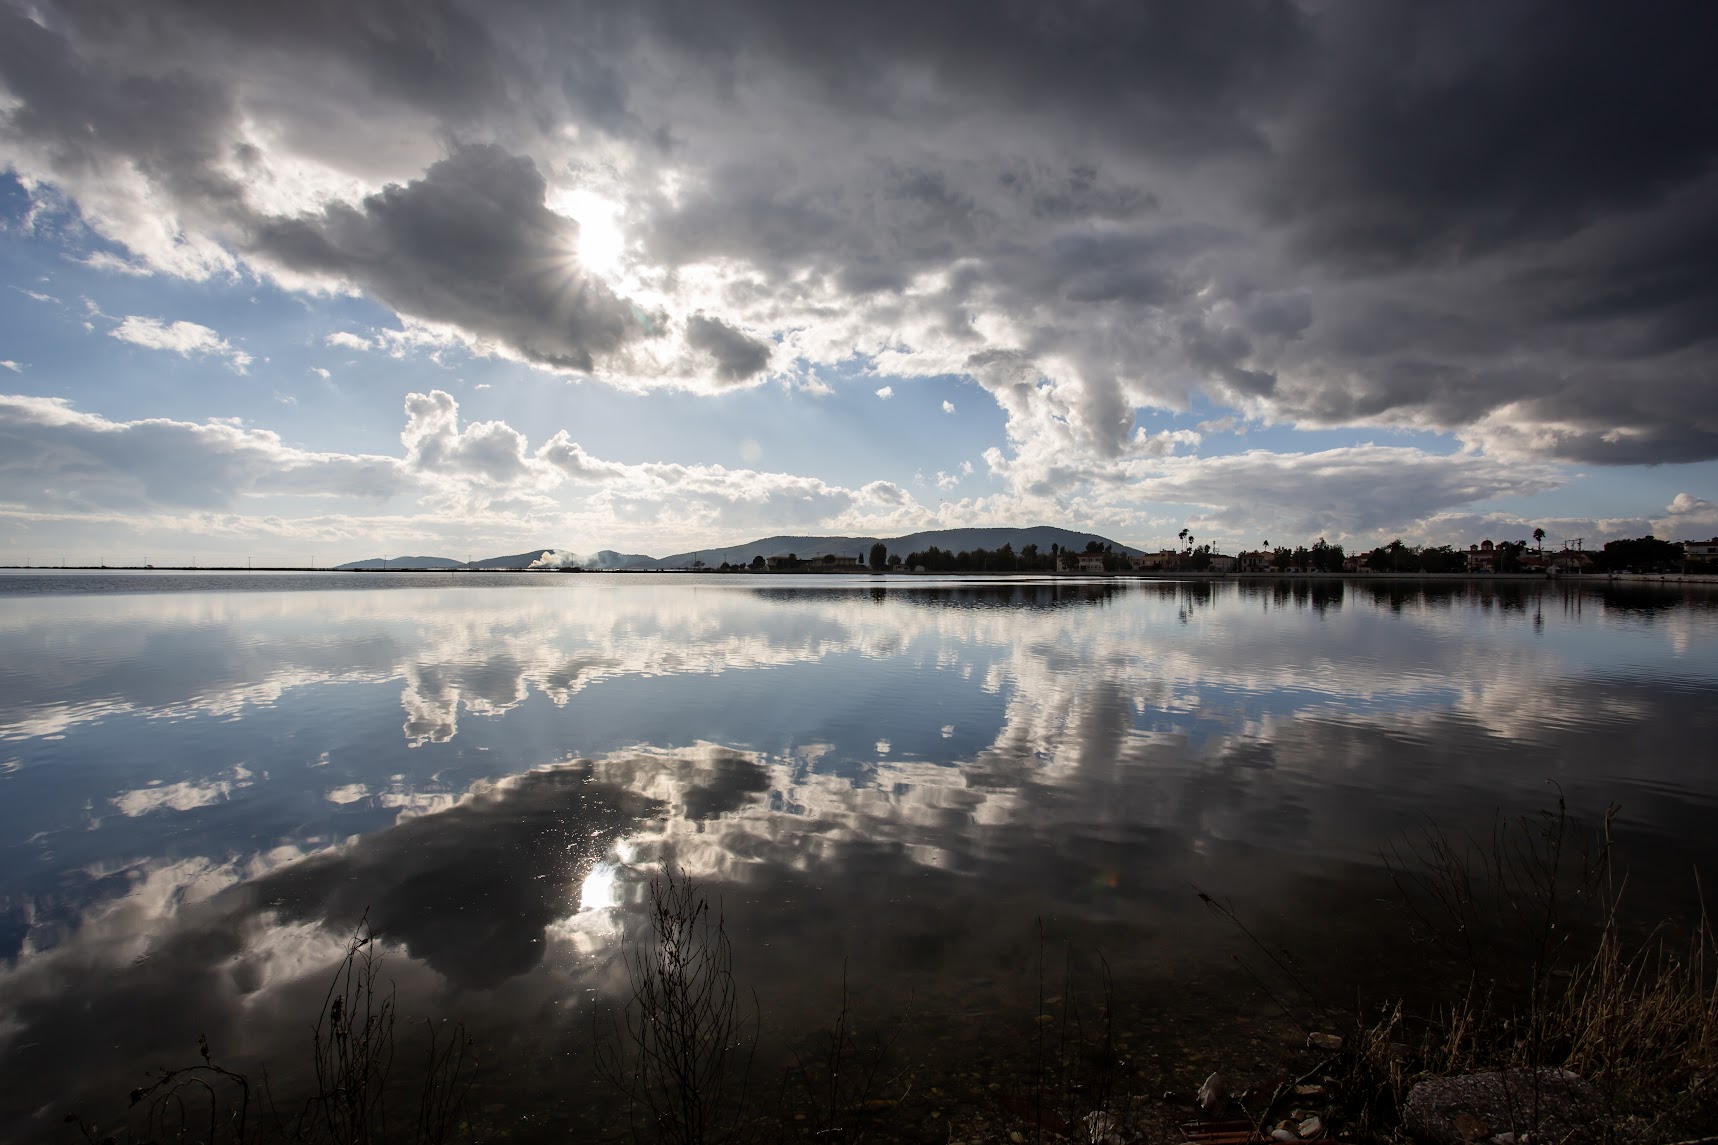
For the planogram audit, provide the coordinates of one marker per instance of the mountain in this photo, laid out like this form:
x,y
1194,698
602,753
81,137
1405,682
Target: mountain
x,y
954,540
536,558
609,559
516,561
398,563
604,560
802,547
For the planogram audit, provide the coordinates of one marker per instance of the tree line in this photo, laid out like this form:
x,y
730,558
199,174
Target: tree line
x,y
1642,554
1029,558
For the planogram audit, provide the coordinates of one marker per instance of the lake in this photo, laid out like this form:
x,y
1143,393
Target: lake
x,y
944,792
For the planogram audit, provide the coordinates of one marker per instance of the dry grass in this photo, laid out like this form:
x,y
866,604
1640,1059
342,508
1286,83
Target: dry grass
x,y
352,1100
679,1052
1558,979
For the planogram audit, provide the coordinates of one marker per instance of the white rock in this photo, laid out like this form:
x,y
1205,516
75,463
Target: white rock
x,y
1211,1093
1102,1129
1311,1127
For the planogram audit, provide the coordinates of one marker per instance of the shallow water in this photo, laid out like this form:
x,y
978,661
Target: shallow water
x,y
207,780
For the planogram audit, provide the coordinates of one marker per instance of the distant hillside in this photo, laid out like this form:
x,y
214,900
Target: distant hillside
x,y
802,547
536,558
399,563
954,540
516,561
604,560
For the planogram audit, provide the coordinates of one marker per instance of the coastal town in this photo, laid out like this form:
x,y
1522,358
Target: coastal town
x,y
1638,556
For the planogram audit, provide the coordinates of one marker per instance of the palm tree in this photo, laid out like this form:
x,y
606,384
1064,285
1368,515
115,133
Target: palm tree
x,y
1539,539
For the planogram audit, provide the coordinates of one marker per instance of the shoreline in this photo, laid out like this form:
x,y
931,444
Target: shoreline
x,y
1707,579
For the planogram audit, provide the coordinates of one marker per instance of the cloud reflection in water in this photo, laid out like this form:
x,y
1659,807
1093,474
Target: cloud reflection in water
x,y
1080,753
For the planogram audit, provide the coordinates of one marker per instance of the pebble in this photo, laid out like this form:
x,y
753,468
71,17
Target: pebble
x,y
1102,1129
1311,1127
1211,1093
1324,1042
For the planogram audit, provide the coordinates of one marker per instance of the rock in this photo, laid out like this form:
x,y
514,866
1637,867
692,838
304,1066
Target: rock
x,y
1284,1135
1550,1104
1310,1091
1311,1127
1102,1129
1471,1128
1330,1042
1211,1093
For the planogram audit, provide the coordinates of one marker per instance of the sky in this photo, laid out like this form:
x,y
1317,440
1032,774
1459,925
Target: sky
x,y
316,282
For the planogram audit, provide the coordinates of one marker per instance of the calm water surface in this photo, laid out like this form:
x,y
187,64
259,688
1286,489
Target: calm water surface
x,y
207,781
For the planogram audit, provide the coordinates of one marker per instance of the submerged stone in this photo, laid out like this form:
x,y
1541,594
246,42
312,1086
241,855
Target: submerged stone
x,y
1468,1108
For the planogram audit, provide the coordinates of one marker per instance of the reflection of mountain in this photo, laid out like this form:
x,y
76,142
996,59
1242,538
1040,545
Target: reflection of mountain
x,y
1009,593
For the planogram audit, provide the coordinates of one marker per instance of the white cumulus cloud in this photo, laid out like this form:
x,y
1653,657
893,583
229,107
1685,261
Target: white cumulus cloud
x,y
187,339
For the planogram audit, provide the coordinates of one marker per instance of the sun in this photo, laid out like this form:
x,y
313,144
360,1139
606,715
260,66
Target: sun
x,y
602,243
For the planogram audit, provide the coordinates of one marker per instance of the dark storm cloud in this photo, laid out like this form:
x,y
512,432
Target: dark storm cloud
x,y
1489,217
1446,132
737,355
1172,77
1527,184
471,244
171,123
